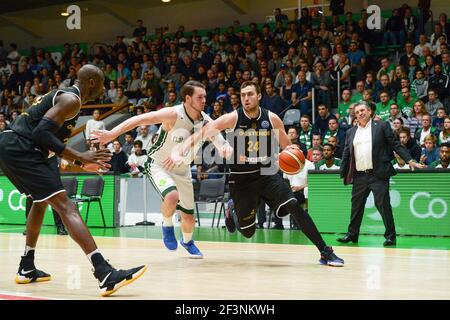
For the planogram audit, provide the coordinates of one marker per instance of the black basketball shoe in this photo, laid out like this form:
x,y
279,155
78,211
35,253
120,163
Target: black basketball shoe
x,y
329,258
110,279
28,273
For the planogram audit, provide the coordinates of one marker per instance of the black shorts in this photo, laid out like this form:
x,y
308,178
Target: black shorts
x,y
247,190
28,168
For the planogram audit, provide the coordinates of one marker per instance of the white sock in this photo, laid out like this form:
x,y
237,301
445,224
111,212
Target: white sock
x,y
89,256
168,222
28,249
187,237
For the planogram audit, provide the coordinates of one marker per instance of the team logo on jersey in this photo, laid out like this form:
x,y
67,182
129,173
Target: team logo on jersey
x,y
265,124
162,183
254,125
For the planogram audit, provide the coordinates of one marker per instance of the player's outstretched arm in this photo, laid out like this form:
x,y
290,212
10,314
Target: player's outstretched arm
x,y
43,135
165,115
211,130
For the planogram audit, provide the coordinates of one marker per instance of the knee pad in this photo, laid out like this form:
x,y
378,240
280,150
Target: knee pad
x,y
288,207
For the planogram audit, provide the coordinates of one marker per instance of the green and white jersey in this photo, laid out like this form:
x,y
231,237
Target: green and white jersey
x,y
322,165
172,140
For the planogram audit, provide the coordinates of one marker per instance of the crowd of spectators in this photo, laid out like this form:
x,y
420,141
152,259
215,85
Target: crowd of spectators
x,y
295,61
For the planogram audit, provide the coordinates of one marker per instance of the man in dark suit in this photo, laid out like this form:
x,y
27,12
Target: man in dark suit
x,y
366,163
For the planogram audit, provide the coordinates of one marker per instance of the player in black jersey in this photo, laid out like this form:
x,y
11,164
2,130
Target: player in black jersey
x,y
27,157
252,176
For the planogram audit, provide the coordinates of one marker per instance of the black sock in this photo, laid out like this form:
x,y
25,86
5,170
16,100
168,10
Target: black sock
x,y
308,227
97,260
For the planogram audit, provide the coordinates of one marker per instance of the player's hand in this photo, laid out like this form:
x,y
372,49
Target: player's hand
x,y
102,136
96,167
171,162
412,164
292,146
226,151
96,156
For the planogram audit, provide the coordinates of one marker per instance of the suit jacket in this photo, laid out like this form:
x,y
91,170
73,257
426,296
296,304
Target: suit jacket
x,y
384,143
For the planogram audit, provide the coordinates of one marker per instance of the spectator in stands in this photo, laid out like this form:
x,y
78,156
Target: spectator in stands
x,y
345,104
446,63
94,124
294,137
110,73
137,160
384,84
286,90
439,82
280,16
423,42
444,135
140,30
406,104
409,24
409,52
342,70
444,157
397,125
383,108
409,143
357,60
305,131
272,101
217,110
321,123
430,153
301,93
123,74
133,88
415,120
394,27
426,130
128,145
119,159
329,162
386,68
338,148
395,114
121,98
321,81
433,102
337,7
419,86
145,138
438,121
334,130
316,154
357,94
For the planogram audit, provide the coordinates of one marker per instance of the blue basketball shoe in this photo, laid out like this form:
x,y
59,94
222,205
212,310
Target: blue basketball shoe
x,y
191,248
327,257
169,238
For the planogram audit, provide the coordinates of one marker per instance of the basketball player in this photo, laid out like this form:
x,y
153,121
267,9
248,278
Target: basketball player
x,y
248,183
27,157
174,183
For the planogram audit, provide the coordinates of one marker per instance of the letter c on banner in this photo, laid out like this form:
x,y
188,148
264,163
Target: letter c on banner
x,y
430,212
20,205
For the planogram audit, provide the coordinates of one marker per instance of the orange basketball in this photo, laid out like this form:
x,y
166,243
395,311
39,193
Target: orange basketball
x,y
291,160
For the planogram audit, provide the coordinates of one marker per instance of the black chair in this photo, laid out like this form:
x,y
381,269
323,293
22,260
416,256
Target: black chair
x,y
92,191
212,191
71,186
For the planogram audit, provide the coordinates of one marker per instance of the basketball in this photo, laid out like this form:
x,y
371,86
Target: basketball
x,y
291,160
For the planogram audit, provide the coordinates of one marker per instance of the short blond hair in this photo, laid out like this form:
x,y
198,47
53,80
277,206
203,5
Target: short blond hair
x,y
430,137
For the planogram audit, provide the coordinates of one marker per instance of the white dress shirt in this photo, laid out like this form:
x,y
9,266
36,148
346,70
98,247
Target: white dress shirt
x,y
362,144
301,179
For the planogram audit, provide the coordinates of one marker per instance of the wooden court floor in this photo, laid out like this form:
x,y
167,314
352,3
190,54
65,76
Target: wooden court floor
x,y
242,271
